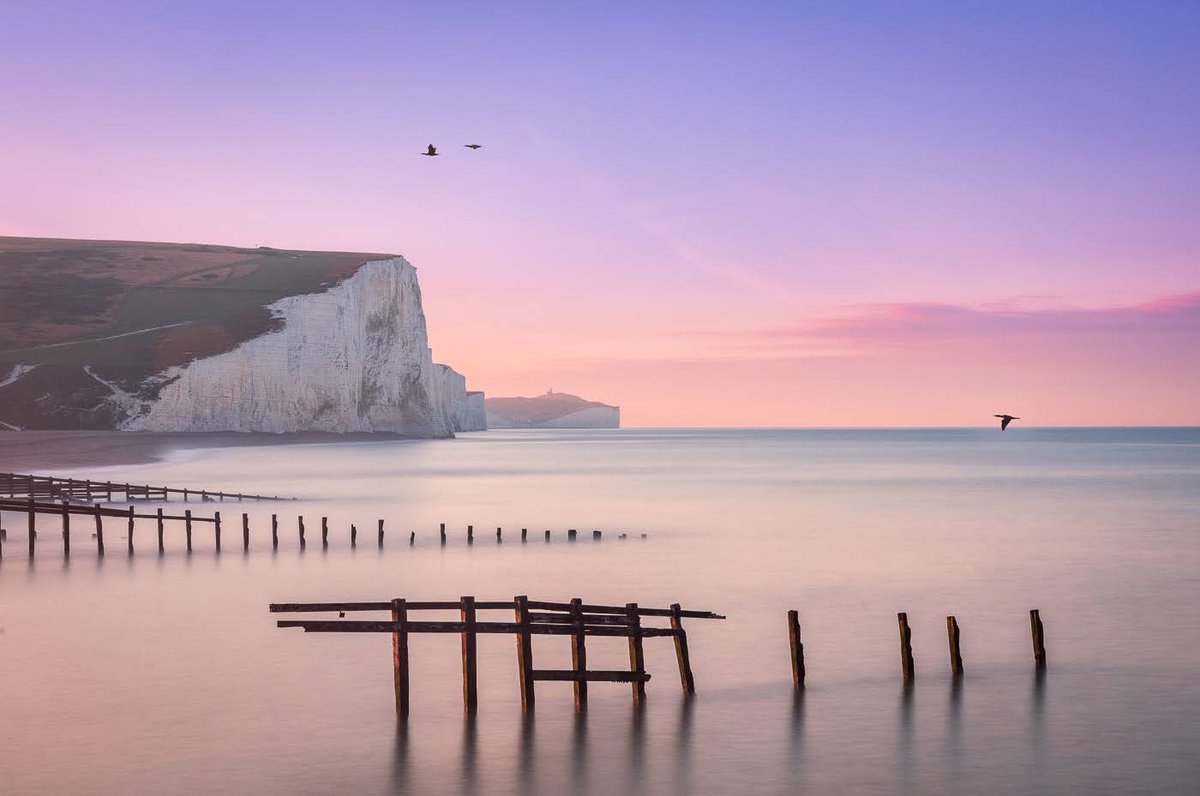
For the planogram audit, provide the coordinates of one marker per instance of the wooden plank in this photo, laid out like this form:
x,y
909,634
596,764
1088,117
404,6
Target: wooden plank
x,y
1038,632
372,626
469,656
400,656
591,675
682,657
568,618
524,652
622,610
907,667
637,656
952,634
579,654
797,648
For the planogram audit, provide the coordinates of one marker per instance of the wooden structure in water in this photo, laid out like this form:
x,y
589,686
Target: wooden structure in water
x,y
43,487
575,619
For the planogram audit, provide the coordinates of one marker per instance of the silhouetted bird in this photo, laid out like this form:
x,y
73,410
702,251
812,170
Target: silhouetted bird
x,y
431,152
473,146
1005,420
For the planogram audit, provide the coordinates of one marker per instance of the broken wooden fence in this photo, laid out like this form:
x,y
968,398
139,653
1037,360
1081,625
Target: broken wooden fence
x,y
39,487
574,619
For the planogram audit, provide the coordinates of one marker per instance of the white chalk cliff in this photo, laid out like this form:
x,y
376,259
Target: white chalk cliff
x,y
354,358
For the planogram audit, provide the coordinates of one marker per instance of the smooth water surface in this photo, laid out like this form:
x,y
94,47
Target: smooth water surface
x,y
165,674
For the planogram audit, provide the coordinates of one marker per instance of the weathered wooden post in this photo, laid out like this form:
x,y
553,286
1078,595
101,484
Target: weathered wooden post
x,y
956,664
470,534
442,532
245,531
547,535
797,647
185,495
300,528
412,538
108,491
160,530
686,680
187,527
353,536
571,535
381,534
524,535
637,656
400,655
129,531
596,536
579,654
470,687
499,538
524,652
1039,638
66,528
99,531
274,532
906,656
217,529
32,521
324,532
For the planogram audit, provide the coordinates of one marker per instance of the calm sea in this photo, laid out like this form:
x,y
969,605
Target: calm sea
x,y
166,675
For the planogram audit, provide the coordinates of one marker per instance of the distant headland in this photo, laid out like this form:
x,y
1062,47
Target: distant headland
x,y
551,410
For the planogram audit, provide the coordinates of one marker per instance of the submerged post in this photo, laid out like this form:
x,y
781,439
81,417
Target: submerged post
x,y
274,532
99,531
442,532
686,680
571,534
412,538
906,656
400,655
300,529
470,534
524,652
245,531
499,538
187,527
637,656
129,534
160,530
324,532
470,687
217,529
547,535
956,664
1039,638
66,525
353,535
524,534
32,523
797,646
579,654
381,534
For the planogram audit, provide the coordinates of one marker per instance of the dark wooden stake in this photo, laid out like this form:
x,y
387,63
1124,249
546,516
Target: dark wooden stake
x,y
381,534
442,532
99,532
245,531
300,528
524,535
579,655
547,535
596,535
66,525
1039,638
524,652
400,655
906,656
217,529
499,538
470,687
324,532
274,532
637,656
571,535
956,664
353,536
797,650
686,680
187,527
470,534
32,524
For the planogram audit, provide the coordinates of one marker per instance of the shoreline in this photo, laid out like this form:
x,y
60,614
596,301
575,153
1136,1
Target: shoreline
x,y
34,451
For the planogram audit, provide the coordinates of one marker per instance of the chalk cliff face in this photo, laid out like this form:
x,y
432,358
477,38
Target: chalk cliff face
x,y
476,419
353,358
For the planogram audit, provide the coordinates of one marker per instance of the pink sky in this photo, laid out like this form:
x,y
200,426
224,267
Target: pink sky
x,y
787,218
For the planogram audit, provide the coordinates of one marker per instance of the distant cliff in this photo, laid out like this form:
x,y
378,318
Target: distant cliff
x,y
202,338
552,410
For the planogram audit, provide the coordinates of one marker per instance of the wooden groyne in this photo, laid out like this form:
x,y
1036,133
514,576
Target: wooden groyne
x,y
907,664
574,619
31,509
44,487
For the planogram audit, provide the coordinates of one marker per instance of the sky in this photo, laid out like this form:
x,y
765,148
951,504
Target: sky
x,y
711,214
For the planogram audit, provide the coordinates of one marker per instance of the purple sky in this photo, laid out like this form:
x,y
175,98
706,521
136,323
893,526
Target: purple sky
x,y
664,187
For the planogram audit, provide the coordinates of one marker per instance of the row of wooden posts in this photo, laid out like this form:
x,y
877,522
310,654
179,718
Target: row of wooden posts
x,y
23,485
907,665
65,510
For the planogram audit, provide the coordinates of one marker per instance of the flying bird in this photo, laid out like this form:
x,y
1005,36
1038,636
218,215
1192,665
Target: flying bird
x,y
1005,420
473,146
431,152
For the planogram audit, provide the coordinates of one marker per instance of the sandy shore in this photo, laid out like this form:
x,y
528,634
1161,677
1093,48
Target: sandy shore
x,y
34,451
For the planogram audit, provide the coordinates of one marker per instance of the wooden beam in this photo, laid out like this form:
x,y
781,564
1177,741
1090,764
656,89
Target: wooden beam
x,y
324,532
1039,638
524,652
159,517
66,528
591,675
906,657
579,654
469,655
637,656
187,527
129,531
686,680
99,532
400,656
217,529
274,532
245,529
32,523
797,648
952,635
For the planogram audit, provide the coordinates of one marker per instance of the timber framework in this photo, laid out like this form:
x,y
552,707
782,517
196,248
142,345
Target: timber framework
x,y
575,619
